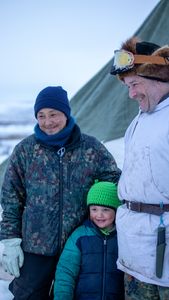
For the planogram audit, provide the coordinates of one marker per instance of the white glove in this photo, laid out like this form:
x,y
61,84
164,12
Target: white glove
x,y
12,256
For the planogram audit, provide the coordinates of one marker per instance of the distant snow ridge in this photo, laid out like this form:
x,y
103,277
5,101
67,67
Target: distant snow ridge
x,y
12,134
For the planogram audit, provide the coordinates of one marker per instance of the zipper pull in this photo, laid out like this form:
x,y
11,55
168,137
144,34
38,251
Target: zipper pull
x,y
61,151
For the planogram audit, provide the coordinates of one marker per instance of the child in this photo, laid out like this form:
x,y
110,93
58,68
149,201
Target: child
x,y
87,266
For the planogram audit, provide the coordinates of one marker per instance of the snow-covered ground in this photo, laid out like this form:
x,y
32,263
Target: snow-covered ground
x,y
7,143
16,122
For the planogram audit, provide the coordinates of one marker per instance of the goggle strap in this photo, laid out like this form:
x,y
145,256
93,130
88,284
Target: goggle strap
x,y
158,60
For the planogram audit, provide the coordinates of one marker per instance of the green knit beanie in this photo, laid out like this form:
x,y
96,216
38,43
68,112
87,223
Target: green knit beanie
x,y
103,193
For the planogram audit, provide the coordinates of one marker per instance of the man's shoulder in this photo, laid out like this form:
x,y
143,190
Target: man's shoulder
x,y
25,144
90,139
30,139
83,230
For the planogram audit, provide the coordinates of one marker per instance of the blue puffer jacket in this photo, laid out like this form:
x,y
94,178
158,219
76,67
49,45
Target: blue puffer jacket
x,y
87,267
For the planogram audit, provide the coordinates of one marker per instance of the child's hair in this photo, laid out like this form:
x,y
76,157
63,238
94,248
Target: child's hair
x,y
103,193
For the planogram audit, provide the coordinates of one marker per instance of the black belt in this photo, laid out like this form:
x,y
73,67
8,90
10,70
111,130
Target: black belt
x,y
154,209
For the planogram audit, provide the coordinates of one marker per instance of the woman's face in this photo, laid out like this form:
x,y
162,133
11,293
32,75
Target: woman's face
x,y
51,121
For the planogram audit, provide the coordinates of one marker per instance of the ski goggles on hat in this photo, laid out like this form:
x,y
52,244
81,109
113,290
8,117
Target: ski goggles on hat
x,y
125,60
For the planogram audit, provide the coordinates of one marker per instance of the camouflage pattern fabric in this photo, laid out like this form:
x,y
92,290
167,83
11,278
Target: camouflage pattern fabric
x,y
137,290
44,195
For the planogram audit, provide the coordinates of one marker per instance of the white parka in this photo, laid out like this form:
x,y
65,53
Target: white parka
x,y
145,178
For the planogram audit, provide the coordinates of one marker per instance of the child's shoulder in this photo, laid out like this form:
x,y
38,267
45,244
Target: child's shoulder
x,y
83,230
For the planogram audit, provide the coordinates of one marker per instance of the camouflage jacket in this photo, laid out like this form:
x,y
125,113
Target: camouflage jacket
x,y
44,193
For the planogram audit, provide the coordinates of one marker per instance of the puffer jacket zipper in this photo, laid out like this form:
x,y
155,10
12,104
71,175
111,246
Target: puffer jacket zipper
x,y
104,267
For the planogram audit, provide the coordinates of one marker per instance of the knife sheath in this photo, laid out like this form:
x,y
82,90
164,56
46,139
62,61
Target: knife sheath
x,y
160,250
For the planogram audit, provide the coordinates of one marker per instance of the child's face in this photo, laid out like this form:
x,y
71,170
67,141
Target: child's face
x,y
102,216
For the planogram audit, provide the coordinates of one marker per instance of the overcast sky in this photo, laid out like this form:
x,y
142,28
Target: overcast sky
x,y
61,42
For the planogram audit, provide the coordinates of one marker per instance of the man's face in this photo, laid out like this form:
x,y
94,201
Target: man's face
x,y
144,91
51,121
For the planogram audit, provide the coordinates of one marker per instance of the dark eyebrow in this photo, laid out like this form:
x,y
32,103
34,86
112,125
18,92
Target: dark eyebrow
x,y
132,82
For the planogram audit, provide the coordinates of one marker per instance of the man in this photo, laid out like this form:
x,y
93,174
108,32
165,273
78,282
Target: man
x,y
143,220
44,192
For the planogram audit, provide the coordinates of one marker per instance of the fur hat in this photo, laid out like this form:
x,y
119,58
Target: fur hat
x,y
150,60
103,193
53,97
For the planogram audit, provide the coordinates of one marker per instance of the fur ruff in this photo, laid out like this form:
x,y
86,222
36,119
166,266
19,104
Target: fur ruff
x,y
151,71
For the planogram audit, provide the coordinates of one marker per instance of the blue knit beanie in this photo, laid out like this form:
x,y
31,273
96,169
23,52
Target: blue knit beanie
x,y
53,97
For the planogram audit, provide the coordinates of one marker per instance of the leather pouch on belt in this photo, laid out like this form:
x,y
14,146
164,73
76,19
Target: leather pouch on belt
x,y
160,249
